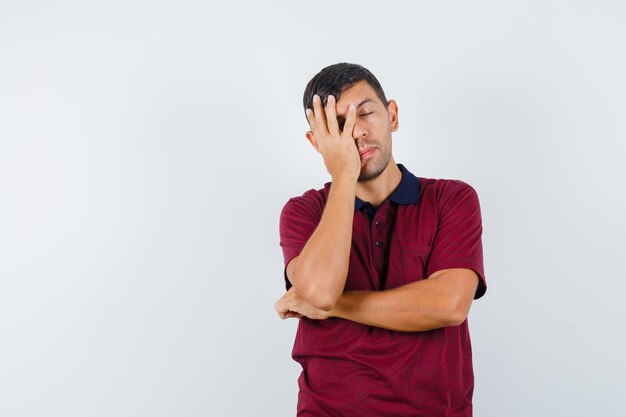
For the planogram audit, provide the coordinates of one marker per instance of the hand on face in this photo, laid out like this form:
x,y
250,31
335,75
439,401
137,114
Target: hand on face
x,y
337,147
293,305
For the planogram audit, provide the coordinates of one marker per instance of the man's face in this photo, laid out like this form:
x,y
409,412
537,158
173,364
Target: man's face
x,y
372,130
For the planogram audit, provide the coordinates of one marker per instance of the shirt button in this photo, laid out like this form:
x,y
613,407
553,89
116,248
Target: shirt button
x,y
377,223
379,244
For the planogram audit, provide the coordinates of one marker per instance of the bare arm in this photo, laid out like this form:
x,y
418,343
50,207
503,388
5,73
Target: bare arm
x,y
323,262
319,272
442,300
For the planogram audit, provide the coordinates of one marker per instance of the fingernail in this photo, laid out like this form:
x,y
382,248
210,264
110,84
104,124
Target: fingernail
x,y
316,97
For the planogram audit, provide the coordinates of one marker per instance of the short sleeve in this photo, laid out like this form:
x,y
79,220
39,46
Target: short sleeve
x,y
458,242
298,220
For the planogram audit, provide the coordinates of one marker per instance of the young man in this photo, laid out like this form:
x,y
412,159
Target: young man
x,y
381,267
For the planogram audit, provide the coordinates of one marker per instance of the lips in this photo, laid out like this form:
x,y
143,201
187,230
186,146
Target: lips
x,y
365,152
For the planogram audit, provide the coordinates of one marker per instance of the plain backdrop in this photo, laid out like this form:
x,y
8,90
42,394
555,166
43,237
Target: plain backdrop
x,y
147,148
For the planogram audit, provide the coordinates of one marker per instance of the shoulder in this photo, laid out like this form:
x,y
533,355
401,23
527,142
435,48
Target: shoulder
x,y
311,201
444,186
440,185
444,191
312,196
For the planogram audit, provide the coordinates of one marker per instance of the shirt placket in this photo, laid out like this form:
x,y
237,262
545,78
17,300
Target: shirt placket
x,y
379,246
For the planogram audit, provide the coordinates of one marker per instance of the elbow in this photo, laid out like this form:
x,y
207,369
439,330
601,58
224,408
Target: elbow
x,y
317,289
322,299
455,318
456,313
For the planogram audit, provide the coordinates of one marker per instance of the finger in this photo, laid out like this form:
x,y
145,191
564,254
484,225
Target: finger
x,y
348,127
283,313
331,115
320,115
280,307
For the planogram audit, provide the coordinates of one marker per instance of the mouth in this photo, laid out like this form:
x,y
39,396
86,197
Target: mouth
x,y
366,152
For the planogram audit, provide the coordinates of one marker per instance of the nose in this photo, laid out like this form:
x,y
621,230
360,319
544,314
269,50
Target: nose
x,y
359,131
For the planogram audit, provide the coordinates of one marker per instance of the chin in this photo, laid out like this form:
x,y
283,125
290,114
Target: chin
x,y
368,174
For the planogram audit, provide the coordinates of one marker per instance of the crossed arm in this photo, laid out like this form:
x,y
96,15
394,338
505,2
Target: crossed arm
x,y
442,300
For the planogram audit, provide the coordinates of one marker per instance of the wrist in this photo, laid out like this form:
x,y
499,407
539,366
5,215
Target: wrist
x,y
345,178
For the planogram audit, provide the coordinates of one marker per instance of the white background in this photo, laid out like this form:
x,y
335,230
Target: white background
x,y
147,148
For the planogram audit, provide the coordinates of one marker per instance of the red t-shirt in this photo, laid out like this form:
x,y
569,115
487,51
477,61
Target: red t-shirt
x,y
350,369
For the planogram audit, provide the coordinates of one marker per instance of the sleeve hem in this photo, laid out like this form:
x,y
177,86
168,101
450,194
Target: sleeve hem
x,y
482,283
288,283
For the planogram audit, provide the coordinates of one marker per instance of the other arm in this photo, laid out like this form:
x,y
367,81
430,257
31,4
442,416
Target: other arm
x,y
442,300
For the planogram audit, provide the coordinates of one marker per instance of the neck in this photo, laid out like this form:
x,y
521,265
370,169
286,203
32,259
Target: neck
x,y
377,190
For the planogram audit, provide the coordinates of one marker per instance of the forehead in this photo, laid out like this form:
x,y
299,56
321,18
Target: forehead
x,y
355,95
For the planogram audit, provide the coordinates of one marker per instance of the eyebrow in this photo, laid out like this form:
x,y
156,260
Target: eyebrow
x,y
367,100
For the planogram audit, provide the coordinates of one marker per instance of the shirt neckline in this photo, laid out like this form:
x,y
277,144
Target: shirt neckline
x,y
407,192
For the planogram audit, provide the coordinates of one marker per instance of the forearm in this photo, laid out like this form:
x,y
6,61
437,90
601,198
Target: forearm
x,y
324,259
419,306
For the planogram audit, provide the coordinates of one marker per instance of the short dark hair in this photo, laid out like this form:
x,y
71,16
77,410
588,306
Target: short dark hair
x,y
334,79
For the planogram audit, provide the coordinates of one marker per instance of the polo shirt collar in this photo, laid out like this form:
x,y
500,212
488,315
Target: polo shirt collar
x,y
407,192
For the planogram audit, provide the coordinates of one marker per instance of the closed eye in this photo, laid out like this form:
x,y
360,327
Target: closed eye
x,y
341,121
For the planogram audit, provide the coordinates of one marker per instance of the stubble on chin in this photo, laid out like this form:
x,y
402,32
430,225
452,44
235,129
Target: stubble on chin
x,y
377,168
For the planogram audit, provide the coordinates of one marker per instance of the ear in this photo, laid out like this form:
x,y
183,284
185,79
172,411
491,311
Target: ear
x,y
311,138
392,109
